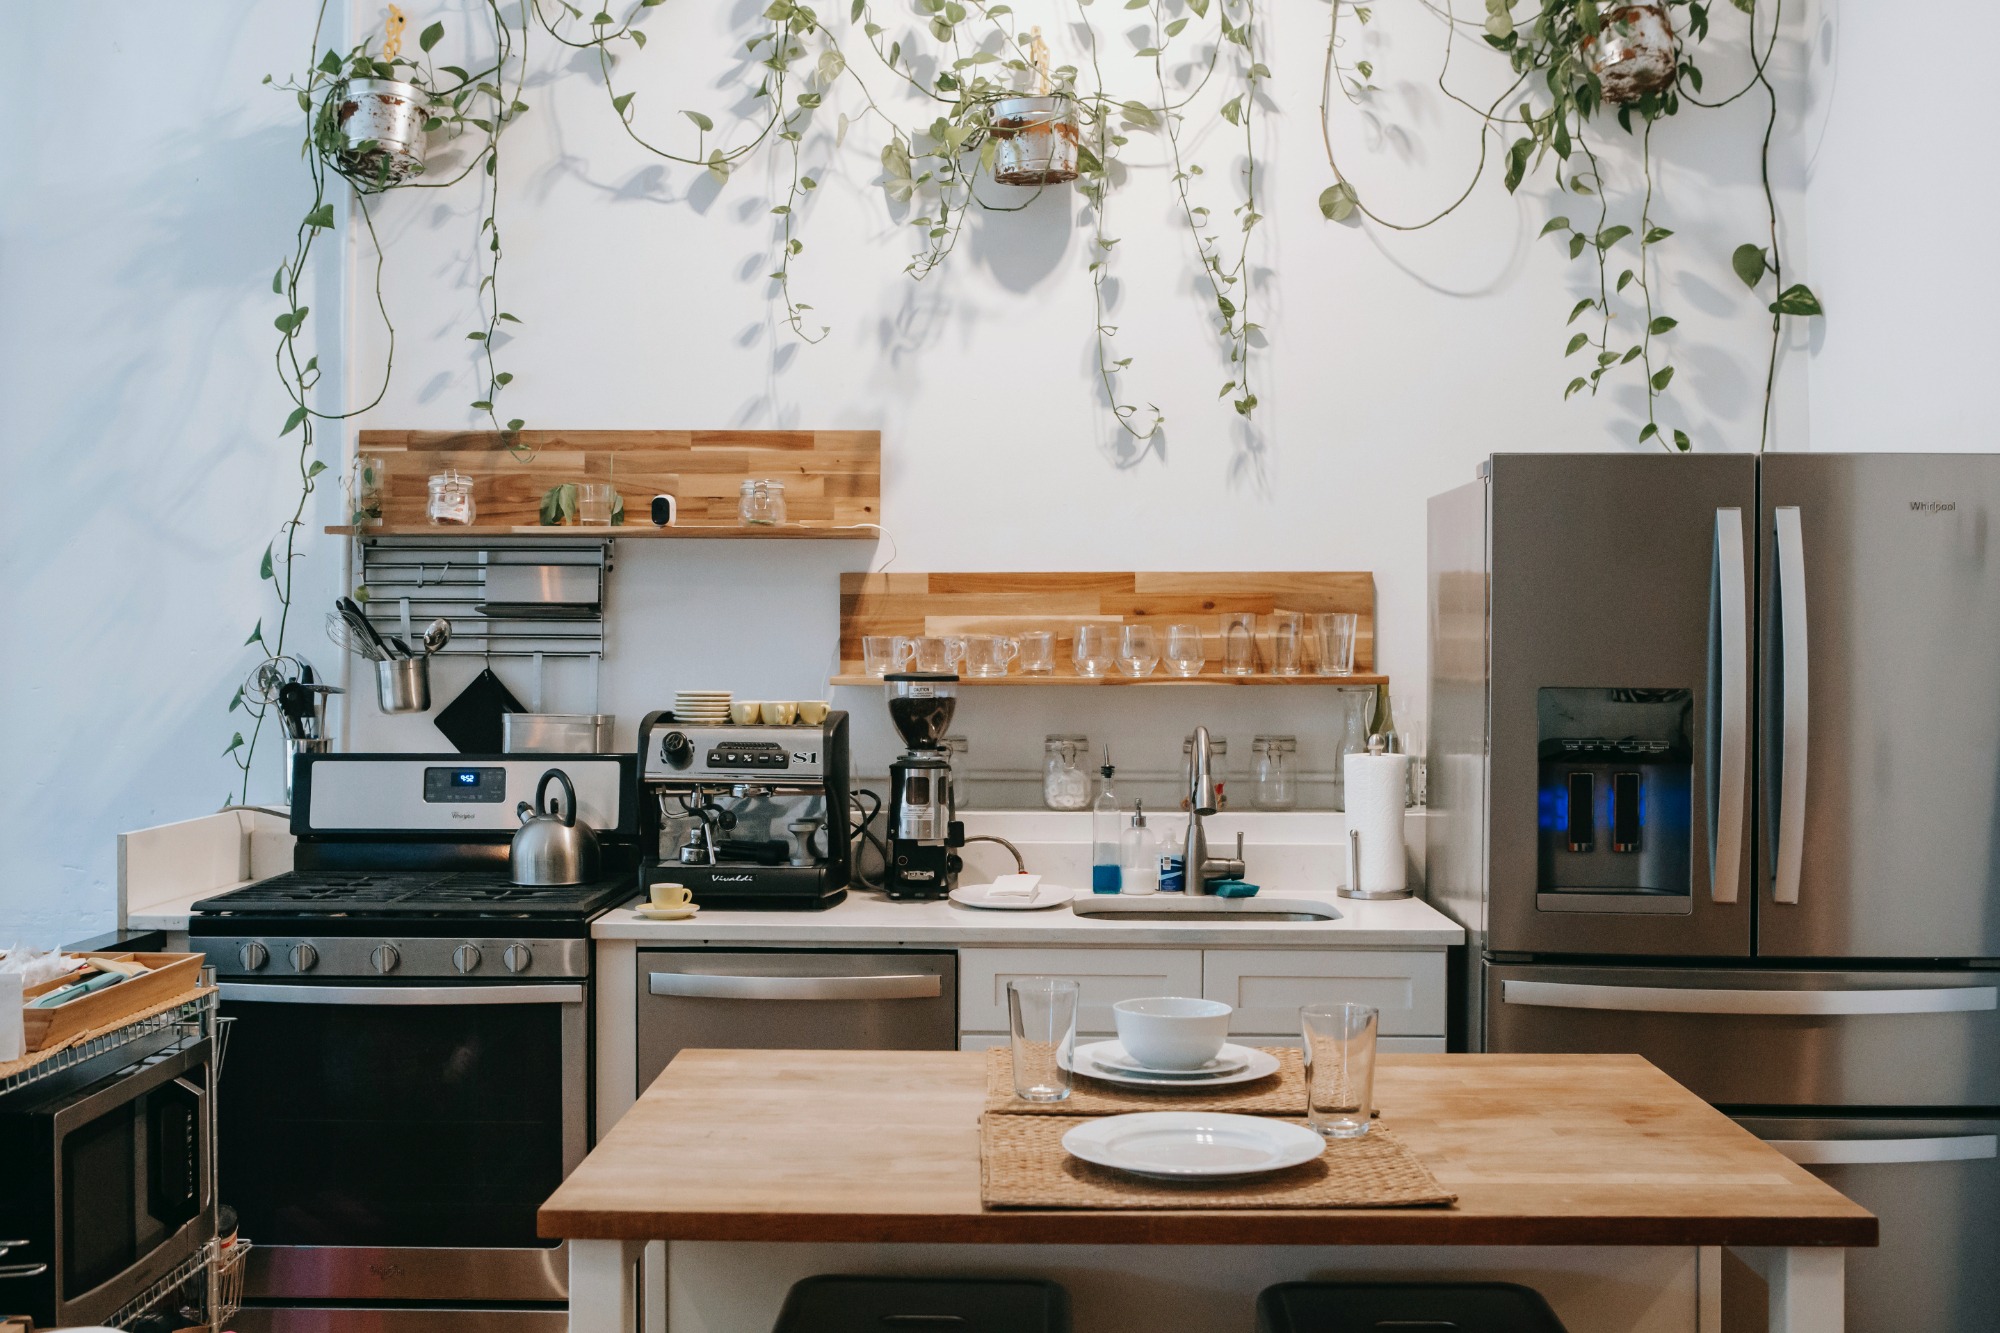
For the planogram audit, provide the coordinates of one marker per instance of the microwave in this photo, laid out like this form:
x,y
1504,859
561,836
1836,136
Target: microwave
x,y
107,1187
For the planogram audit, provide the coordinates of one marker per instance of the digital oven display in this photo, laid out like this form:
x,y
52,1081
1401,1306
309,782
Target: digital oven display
x,y
465,784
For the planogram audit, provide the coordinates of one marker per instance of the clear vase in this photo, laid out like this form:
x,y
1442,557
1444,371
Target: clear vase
x,y
1354,711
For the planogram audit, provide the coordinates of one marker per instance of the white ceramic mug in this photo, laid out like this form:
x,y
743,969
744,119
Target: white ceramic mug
x,y
667,897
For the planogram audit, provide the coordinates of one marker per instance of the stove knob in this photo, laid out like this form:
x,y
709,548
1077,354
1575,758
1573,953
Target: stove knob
x,y
252,956
385,958
466,958
304,958
517,957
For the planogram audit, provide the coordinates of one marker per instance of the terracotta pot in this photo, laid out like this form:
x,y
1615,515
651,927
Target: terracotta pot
x,y
1037,139
380,129
1633,53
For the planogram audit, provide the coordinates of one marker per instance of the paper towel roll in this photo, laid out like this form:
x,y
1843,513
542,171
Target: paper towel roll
x,y
1376,784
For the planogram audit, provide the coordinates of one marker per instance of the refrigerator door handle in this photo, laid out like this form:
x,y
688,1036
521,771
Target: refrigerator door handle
x,y
1874,1152
1729,790
1715,1000
1790,774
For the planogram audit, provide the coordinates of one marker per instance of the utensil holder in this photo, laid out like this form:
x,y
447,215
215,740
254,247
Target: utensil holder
x,y
296,746
403,685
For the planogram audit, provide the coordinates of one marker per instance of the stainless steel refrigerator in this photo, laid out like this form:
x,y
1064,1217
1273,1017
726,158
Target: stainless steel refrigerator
x,y
1714,777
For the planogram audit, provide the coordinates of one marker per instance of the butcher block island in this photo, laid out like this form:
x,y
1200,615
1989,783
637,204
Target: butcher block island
x,y
1597,1180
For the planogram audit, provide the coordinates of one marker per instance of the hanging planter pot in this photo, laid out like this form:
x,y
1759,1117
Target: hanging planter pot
x,y
376,130
1633,53
1036,140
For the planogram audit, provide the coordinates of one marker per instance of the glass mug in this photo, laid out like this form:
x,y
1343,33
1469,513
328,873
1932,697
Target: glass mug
x,y
1038,652
987,655
882,653
1288,642
1186,653
1095,652
1239,643
932,652
1138,650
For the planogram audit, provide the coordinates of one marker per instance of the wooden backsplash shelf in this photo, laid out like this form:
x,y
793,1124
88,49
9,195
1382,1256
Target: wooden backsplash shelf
x,y
1012,603
833,480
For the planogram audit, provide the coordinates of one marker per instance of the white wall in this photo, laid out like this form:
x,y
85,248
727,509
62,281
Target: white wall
x,y
136,382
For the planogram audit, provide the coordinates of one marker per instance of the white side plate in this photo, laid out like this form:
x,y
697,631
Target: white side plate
x,y
1258,1064
1193,1145
1046,895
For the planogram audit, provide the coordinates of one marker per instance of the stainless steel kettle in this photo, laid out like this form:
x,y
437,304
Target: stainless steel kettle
x,y
552,846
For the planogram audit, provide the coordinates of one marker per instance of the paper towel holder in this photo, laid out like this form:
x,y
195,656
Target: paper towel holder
x,y
1377,744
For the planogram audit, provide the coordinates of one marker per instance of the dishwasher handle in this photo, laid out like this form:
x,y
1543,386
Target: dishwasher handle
x,y
716,986
1878,1152
1718,1000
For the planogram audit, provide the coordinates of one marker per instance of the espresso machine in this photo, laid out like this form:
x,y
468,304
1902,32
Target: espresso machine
x,y
746,816
924,832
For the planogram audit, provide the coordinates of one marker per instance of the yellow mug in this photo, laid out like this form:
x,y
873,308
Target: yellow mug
x,y
780,714
669,896
812,712
744,712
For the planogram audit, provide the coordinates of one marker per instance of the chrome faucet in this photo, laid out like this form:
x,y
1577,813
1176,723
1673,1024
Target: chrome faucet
x,y
1198,867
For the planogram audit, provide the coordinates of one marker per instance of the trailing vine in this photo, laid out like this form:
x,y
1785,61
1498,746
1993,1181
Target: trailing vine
x,y
1562,104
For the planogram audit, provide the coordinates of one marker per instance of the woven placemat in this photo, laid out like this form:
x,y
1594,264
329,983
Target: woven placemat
x,y
1022,1164
1283,1093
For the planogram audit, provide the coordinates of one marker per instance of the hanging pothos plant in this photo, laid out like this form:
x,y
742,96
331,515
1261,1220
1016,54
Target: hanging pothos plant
x,y
1578,67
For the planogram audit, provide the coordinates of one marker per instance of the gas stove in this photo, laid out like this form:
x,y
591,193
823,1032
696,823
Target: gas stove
x,y
417,893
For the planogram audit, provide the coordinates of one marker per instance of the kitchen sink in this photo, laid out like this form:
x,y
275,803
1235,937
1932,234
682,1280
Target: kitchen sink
x,y
1106,907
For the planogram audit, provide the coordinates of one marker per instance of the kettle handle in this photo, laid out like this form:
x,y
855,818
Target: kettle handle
x,y
569,796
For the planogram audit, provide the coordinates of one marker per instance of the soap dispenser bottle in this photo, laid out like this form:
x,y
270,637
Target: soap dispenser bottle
x,y
1139,855
1104,834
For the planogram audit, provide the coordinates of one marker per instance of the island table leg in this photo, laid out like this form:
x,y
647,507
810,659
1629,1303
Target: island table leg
x,y
1808,1288
603,1297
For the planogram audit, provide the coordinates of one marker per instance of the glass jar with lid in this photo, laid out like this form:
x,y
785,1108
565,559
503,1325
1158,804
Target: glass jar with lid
x,y
1065,780
1274,784
761,504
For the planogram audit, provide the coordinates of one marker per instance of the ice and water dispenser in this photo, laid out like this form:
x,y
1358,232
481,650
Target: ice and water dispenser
x,y
1615,800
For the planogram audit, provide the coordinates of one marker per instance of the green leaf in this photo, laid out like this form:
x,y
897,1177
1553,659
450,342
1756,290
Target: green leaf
x,y
504,378
1662,324
321,217
1174,29
1681,441
1647,432
1577,240
1624,278
293,421
1632,353
1138,112
1517,162
1796,299
620,102
256,635
278,281
483,405
1747,6
718,167
1749,263
1655,235
1554,224
701,122
1610,236
316,468
1662,378
1574,385
638,35
1337,202
235,744
1585,304
236,701
264,566
431,36
1576,344
475,336
330,62
511,319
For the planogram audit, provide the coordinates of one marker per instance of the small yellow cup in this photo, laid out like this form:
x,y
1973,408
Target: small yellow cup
x,y
669,896
812,712
744,712
778,713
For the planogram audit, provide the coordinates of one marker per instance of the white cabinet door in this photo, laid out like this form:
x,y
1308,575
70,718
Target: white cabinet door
x,y
1267,987
1103,976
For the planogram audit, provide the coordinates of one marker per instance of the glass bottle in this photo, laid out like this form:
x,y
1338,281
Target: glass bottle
x,y
1065,786
1357,711
1275,786
1105,834
1139,855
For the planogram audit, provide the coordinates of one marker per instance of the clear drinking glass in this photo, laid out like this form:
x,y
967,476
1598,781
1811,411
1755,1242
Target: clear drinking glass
x,y
1340,1067
1138,650
1186,653
1095,651
883,653
929,652
593,502
1038,652
1239,643
1333,639
987,655
1041,1013
1288,642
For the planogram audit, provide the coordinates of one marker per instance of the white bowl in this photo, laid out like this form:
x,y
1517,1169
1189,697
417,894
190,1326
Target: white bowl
x,y
1167,1032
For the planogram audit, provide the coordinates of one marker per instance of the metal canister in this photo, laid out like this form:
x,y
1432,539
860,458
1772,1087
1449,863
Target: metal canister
x,y
380,124
1037,138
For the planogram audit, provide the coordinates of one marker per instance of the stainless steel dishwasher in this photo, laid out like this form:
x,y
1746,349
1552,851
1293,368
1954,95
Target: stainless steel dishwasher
x,y
793,999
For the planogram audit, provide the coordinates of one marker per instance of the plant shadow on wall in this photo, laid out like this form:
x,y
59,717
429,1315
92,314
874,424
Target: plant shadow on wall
x,y
1583,72
998,123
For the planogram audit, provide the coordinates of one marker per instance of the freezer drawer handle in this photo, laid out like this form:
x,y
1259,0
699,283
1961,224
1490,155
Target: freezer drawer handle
x,y
709,986
1704,1000
1874,1152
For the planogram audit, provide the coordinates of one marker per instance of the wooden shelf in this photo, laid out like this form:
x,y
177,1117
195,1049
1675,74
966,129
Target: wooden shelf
x,y
1157,678
646,531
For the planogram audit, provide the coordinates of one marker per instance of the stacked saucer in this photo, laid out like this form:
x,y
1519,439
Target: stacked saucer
x,y
702,706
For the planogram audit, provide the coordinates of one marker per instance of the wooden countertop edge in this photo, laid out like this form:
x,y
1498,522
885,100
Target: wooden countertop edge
x,y
1253,1226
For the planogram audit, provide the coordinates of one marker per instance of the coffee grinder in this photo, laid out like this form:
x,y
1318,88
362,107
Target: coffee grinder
x,y
924,831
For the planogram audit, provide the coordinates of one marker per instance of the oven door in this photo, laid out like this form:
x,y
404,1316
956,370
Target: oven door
x,y
385,1142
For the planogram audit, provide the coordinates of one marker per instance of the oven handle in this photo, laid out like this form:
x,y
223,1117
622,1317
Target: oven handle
x,y
706,986
1717,1000
399,995
1880,1152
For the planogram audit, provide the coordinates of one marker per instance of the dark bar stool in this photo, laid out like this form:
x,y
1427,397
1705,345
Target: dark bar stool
x,y
924,1305
1406,1307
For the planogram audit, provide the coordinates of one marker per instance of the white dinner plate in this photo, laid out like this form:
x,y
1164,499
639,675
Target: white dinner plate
x,y
1046,895
1262,1064
1193,1145
1113,1055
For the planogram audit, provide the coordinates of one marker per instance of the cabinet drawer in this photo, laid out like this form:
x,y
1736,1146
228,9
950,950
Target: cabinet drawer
x,y
1103,977
1386,1045
1268,986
